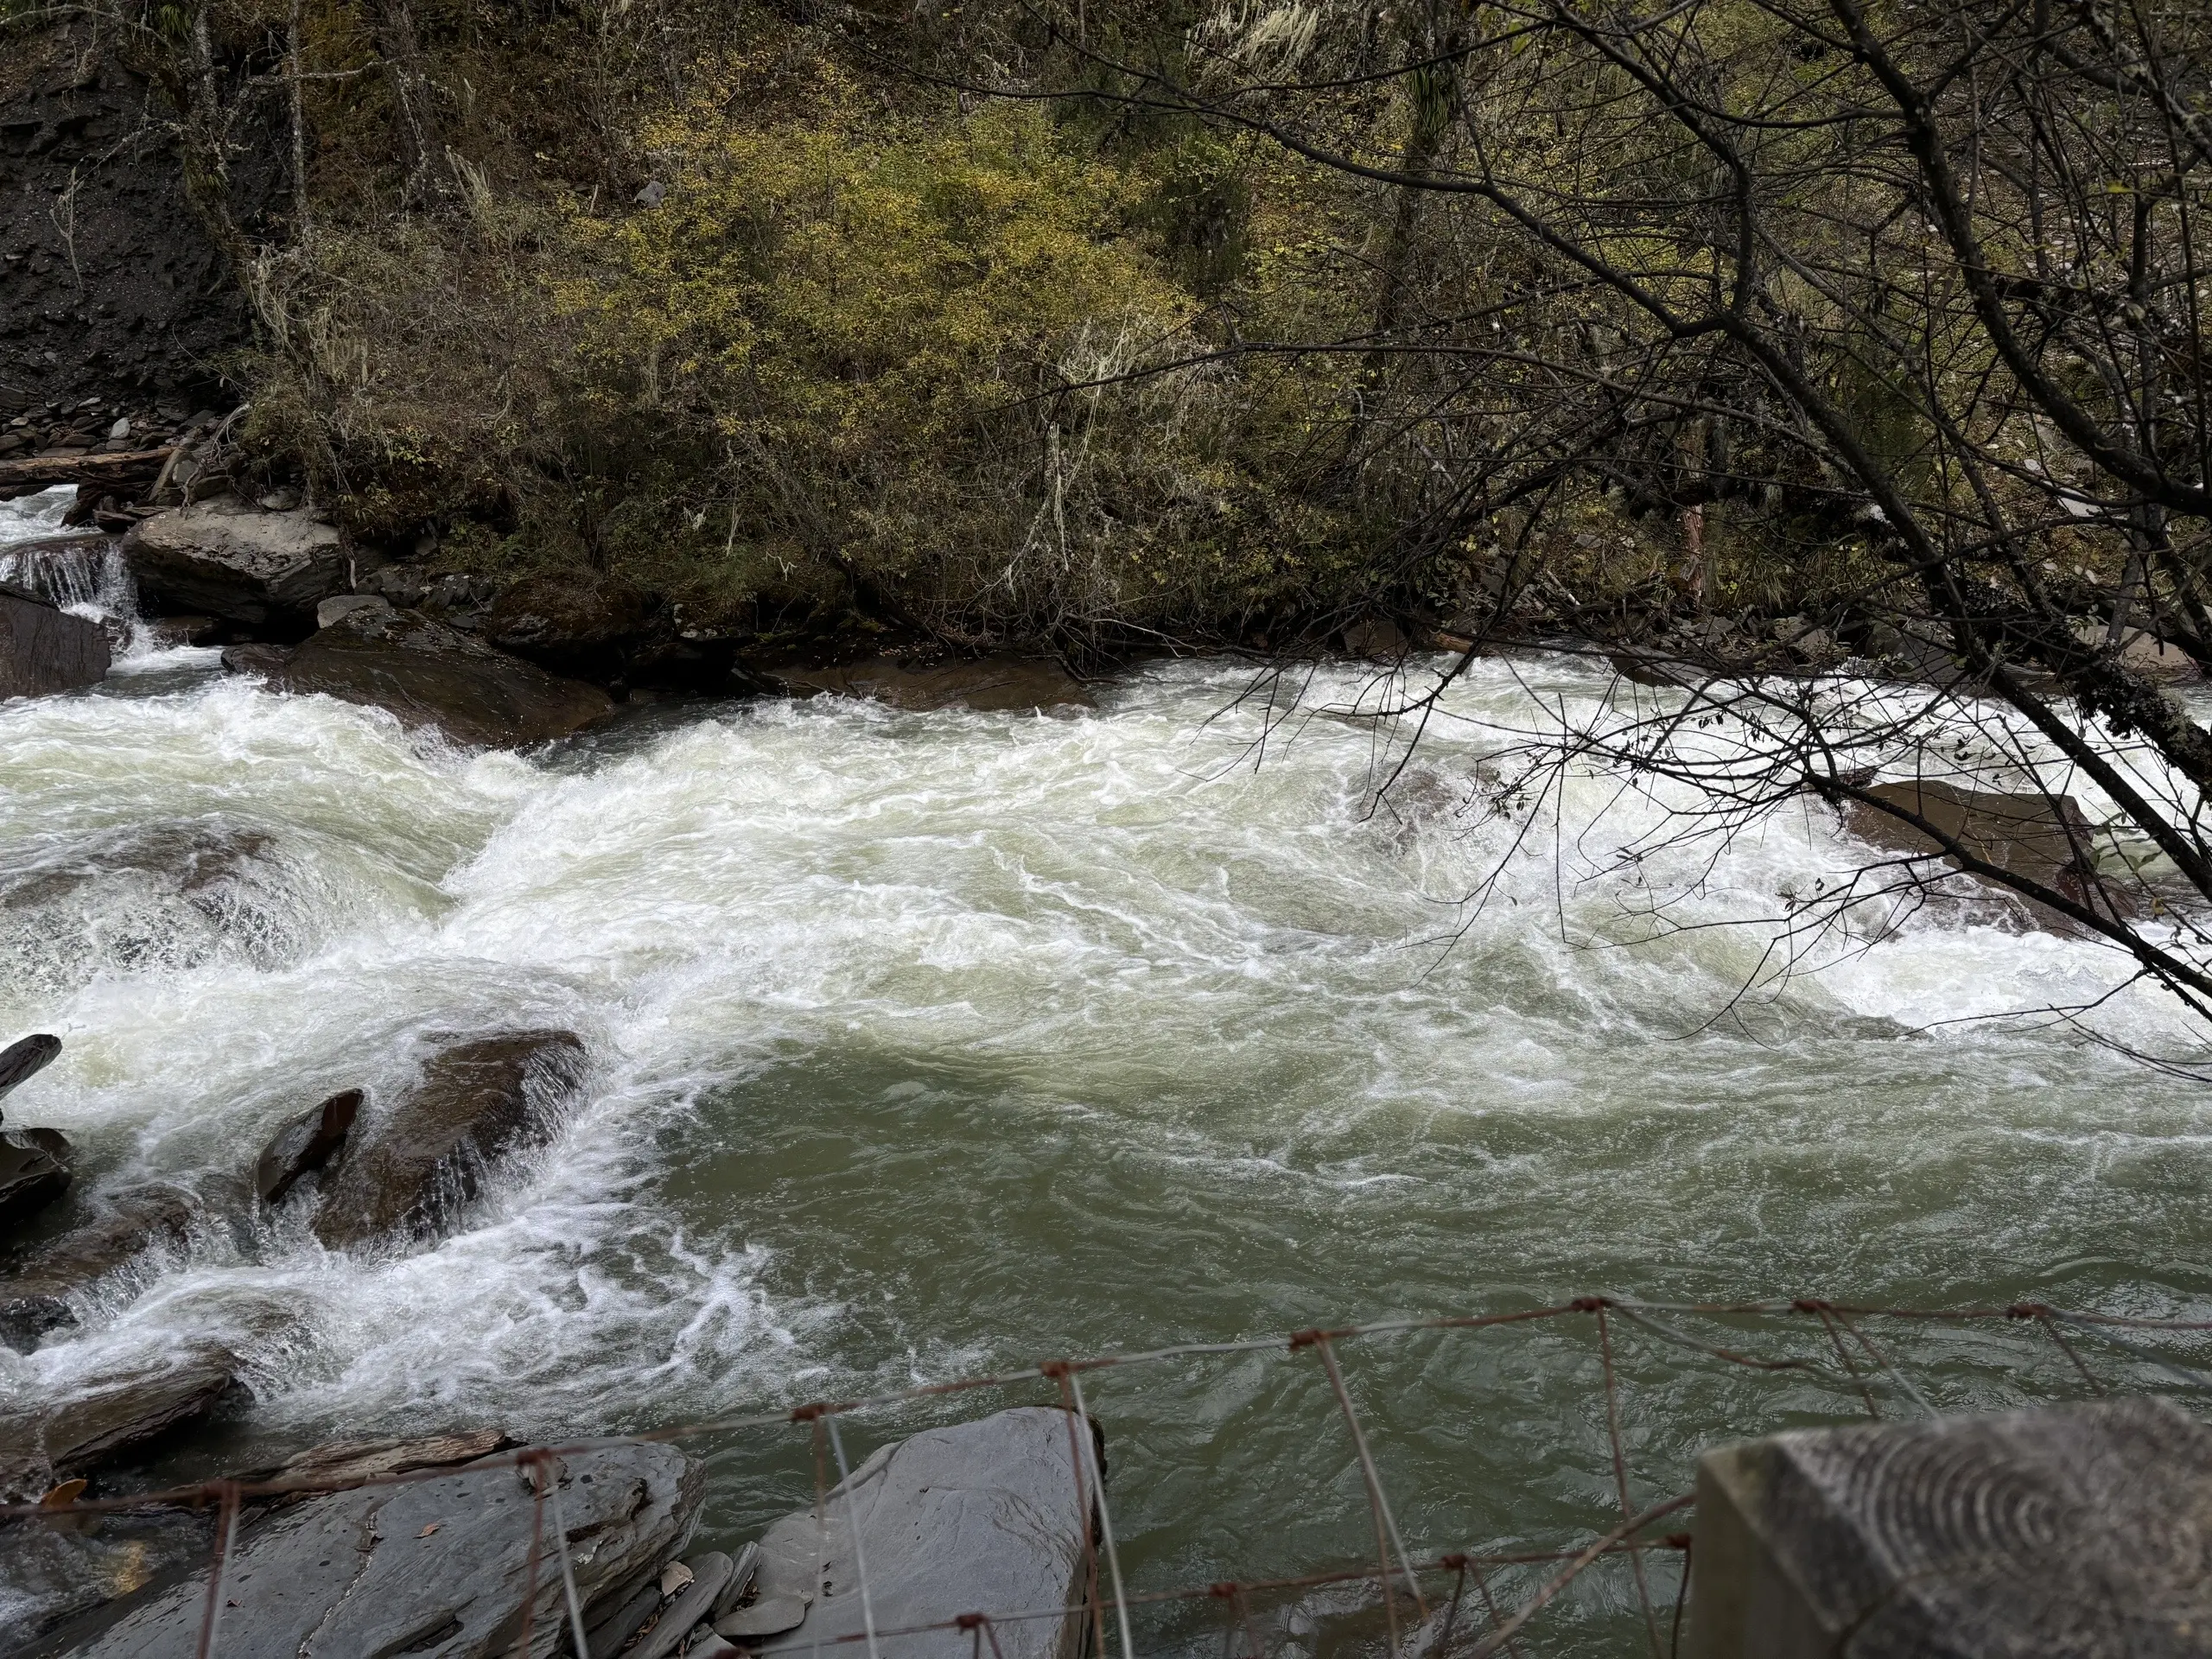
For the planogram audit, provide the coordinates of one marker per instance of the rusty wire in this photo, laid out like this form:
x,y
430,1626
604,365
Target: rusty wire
x,y
539,1466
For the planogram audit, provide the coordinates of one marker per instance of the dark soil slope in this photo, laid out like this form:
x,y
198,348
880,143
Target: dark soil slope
x,y
111,289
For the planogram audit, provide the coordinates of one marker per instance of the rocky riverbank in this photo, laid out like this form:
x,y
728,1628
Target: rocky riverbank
x,y
444,1547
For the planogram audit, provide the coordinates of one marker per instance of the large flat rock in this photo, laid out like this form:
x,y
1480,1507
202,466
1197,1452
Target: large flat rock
x,y
404,1175
436,1567
978,1517
43,650
223,557
430,675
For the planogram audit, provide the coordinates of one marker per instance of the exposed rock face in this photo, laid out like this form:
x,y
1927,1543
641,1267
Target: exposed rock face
x,y
34,1298
33,1173
114,1418
431,675
979,1518
25,1058
478,1102
43,650
226,558
2048,841
124,294
438,1565
304,1145
991,684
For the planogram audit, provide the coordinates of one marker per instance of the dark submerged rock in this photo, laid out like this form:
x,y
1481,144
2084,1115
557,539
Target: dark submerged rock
x,y
2047,839
478,1101
305,1145
34,1297
989,685
226,558
110,1420
436,1566
44,649
33,1173
428,674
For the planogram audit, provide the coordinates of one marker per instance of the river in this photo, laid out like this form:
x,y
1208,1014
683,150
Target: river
x,y
924,1045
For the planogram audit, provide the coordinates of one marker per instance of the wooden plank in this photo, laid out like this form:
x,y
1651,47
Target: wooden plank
x,y
2081,1530
29,474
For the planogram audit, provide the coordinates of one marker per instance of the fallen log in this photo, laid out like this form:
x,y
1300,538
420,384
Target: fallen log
x,y
28,474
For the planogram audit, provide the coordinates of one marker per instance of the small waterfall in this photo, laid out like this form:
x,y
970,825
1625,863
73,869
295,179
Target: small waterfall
x,y
85,575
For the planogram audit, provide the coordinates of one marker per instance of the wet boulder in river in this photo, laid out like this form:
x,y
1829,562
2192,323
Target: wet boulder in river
x,y
33,1173
987,1516
990,684
430,675
34,1296
574,622
439,1566
25,1058
44,649
111,1419
2045,839
478,1102
225,558
305,1145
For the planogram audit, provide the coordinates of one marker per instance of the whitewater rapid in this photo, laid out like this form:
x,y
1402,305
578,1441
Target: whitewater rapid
x,y
925,1043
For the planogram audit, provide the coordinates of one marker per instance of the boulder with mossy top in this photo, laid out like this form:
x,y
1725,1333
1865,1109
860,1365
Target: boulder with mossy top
x,y
231,559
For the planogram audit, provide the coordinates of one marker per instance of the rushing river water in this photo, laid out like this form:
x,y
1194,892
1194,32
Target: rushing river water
x,y
924,1044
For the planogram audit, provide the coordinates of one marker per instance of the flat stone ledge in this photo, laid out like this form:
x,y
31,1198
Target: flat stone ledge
x,y
2080,1531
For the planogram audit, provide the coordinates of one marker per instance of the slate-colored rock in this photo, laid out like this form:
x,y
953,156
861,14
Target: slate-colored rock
x,y
226,558
25,1057
33,1173
428,674
334,1464
305,1145
435,1566
978,1517
44,649
110,1420
34,1298
989,685
692,1606
604,1638
478,1101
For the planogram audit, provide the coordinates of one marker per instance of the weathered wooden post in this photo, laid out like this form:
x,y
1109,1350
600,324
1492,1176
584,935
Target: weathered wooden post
x,y
2080,1531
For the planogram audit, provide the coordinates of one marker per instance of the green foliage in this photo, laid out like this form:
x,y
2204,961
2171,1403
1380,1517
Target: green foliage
x,y
887,336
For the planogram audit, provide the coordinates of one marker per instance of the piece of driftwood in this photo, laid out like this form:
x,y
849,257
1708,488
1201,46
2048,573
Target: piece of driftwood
x,y
28,474
2079,1530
